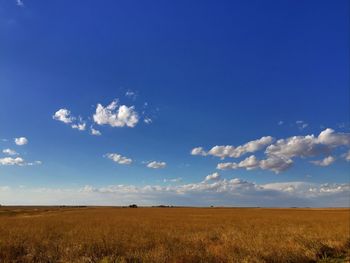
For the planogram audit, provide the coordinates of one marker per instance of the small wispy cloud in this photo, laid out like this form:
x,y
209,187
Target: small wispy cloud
x,y
80,125
301,124
9,152
131,94
172,180
147,120
19,3
156,165
95,132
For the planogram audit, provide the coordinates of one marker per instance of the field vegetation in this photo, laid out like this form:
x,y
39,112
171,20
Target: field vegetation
x,y
111,234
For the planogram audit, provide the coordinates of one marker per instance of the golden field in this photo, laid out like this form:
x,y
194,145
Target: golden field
x,y
111,234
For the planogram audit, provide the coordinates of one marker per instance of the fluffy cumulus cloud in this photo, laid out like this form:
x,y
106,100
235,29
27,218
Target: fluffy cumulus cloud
x,y
21,141
113,114
324,162
280,154
212,177
118,158
232,151
9,152
332,139
116,115
198,151
309,145
276,164
221,192
156,165
64,116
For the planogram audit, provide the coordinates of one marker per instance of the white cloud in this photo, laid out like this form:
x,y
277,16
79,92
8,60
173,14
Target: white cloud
x,y
301,146
198,151
273,163
9,152
227,166
116,116
230,192
276,164
347,156
12,161
115,157
95,132
63,115
235,152
234,192
212,177
156,165
279,156
131,94
309,145
249,163
21,141
332,139
80,125
306,189
34,163
148,120
301,125
324,162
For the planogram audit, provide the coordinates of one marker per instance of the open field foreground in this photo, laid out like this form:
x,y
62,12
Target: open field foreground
x,y
108,234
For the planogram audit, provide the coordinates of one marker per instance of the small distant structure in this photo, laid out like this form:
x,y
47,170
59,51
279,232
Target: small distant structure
x,y
133,206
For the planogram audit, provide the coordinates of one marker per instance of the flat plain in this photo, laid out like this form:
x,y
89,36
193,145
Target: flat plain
x,y
115,234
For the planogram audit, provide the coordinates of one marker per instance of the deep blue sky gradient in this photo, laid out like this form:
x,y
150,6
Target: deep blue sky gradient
x,y
212,72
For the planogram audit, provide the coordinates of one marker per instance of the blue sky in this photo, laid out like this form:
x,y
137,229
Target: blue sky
x,y
182,74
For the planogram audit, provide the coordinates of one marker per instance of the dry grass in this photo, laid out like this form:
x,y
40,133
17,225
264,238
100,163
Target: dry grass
x,y
173,235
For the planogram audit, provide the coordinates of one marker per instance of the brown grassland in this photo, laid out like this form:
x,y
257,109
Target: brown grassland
x,y
111,234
